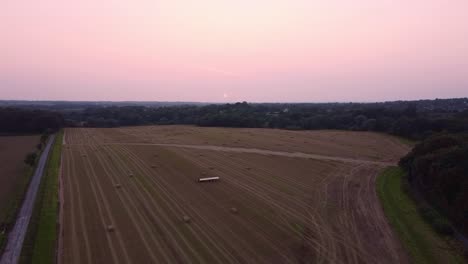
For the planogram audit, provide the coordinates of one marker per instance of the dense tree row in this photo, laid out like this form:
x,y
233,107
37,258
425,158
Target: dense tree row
x,y
15,120
438,167
406,119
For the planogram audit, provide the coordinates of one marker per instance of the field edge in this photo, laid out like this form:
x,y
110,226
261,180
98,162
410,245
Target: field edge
x,y
419,239
41,238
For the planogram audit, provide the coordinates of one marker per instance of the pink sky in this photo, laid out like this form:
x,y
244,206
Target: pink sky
x,y
224,51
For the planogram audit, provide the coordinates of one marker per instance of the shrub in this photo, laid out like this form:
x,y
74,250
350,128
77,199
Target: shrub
x,y
30,159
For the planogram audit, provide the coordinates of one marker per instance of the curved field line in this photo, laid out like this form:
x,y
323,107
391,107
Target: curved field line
x,y
347,218
352,249
360,206
348,221
268,201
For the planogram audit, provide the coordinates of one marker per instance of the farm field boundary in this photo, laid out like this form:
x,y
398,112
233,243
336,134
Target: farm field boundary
x,y
419,239
41,239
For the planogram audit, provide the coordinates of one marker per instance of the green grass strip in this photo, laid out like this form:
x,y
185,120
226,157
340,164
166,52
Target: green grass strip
x,y
41,239
422,243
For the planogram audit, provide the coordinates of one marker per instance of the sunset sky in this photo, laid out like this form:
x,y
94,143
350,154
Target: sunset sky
x,y
226,51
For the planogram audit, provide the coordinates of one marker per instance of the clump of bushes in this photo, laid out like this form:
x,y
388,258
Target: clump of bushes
x,y
30,159
438,168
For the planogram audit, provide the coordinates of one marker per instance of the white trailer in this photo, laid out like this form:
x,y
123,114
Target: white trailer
x,y
208,179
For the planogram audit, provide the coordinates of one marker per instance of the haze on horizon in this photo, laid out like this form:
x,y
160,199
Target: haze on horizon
x,y
217,50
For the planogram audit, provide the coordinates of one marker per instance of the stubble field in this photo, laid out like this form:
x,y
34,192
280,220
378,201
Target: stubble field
x,y
130,195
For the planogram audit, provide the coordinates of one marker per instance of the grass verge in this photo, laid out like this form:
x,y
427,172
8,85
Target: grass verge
x,y
420,240
41,238
407,141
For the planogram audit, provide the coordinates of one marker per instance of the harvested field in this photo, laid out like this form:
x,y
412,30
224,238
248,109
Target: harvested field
x,y
318,206
360,145
13,150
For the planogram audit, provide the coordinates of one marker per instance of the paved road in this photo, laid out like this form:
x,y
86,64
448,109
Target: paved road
x,y
266,152
16,237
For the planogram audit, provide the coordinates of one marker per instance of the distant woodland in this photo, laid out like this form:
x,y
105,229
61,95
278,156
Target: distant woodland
x,y
23,121
413,119
437,166
410,119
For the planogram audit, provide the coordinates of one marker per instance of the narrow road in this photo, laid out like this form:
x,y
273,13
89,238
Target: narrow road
x,y
265,152
16,237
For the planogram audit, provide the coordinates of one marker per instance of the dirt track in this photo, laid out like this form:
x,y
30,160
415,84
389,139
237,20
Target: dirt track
x,y
289,207
264,152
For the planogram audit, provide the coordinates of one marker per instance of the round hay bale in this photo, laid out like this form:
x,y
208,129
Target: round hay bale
x,y
110,228
186,219
234,210
248,168
118,186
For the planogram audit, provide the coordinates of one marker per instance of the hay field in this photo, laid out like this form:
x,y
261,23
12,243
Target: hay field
x,y
131,196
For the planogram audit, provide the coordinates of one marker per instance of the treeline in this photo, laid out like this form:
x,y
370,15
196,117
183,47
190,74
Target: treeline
x,y
438,168
409,119
414,120
23,121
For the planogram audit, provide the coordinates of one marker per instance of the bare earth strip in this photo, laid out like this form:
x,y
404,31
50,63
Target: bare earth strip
x,y
272,205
